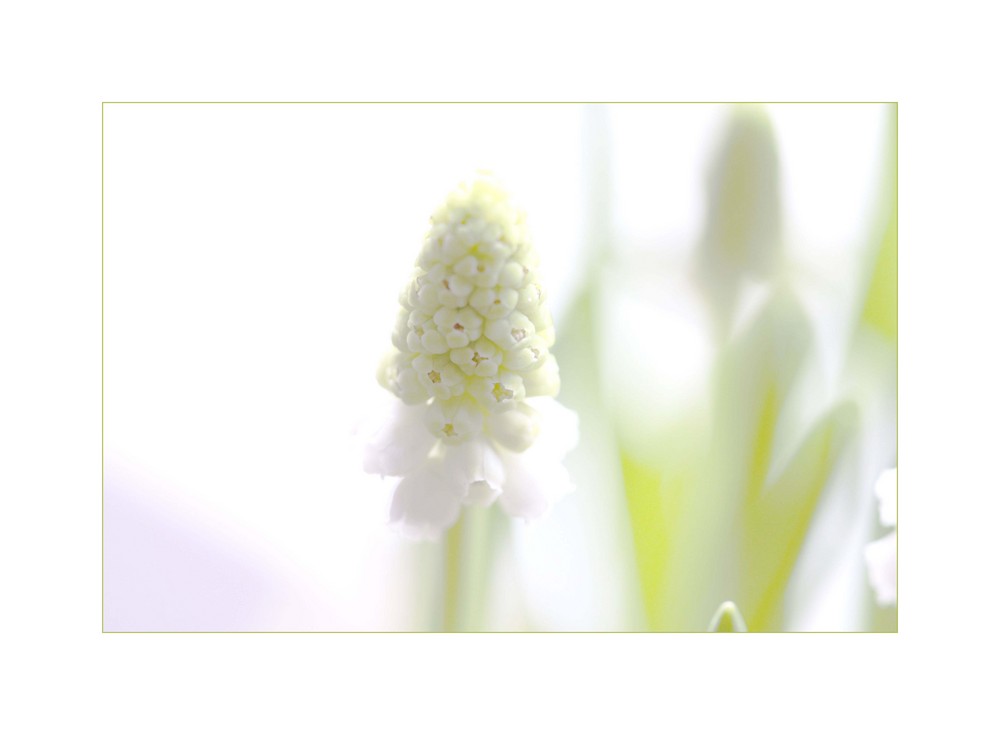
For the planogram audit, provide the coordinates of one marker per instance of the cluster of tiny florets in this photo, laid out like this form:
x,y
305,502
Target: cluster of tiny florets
x,y
473,335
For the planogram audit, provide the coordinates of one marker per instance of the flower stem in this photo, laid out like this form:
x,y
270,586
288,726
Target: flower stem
x,y
468,557
452,577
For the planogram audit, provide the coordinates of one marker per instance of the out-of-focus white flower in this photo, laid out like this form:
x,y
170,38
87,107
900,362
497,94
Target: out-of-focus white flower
x,y
881,554
475,420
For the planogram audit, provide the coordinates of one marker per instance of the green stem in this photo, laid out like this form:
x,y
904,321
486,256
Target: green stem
x,y
452,577
467,563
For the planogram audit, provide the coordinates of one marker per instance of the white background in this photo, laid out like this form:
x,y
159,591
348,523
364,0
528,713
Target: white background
x,y
252,258
61,673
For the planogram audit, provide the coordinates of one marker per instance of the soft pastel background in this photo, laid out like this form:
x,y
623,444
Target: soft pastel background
x,y
723,281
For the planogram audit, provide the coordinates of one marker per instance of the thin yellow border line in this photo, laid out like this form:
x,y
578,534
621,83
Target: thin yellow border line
x,y
102,369
492,632
502,632
896,206
498,102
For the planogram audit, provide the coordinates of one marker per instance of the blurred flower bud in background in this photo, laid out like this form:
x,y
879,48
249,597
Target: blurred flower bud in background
x,y
742,242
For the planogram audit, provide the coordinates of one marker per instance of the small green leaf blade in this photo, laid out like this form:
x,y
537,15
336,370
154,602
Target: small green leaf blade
x,y
727,619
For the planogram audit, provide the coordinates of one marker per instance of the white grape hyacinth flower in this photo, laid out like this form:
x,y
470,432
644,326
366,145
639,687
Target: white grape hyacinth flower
x,y
880,555
474,419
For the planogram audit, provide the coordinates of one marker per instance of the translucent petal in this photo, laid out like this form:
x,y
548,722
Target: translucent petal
x,y
481,493
559,427
881,559
427,501
477,466
534,481
399,442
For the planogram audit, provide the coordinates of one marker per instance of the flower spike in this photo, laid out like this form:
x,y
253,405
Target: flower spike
x,y
470,359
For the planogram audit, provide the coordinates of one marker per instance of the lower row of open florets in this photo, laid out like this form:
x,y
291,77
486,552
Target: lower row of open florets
x,y
493,378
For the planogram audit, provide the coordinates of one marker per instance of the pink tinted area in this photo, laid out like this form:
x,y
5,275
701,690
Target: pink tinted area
x,y
164,571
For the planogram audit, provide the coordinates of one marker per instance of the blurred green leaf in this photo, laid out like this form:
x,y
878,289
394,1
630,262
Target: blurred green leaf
x,y
881,302
649,531
778,520
773,505
727,619
675,521
598,454
756,375
880,309
873,359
